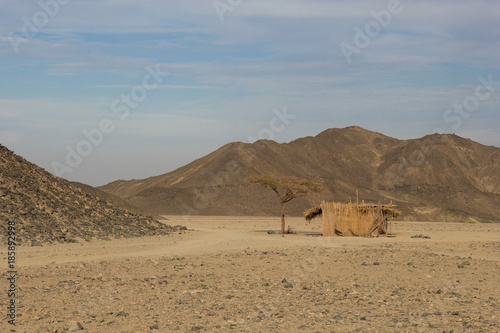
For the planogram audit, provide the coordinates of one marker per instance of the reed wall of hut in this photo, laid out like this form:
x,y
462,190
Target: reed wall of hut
x,y
353,219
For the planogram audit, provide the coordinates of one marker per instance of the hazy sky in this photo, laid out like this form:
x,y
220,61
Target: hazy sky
x,y
89,78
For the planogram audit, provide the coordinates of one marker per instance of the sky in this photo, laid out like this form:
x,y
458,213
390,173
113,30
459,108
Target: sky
x,y
95,91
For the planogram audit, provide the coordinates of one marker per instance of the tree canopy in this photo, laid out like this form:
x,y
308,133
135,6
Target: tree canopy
x,y
287,188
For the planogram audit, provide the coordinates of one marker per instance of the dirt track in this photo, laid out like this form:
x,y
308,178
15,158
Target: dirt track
x,y
229,274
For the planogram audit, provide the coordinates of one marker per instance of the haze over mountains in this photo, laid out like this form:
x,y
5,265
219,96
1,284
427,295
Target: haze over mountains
x,y
437,177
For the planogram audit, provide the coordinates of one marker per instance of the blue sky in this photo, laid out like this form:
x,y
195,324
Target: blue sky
x,y
232,64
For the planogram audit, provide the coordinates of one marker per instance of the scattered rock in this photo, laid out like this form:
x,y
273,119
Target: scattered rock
x,y
74,327
288,285
122,314
421,236
49,209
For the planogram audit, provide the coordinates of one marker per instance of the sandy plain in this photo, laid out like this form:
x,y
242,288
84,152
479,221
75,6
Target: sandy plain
x,y
227,274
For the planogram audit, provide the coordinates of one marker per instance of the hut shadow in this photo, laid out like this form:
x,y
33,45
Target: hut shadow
x,y
295,232
313,234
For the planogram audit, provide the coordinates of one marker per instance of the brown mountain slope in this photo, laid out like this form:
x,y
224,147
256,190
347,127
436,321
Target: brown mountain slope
x,y
438,177
113,199
46,208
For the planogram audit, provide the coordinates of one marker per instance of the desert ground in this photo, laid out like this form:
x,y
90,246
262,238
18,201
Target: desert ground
x,y
228,274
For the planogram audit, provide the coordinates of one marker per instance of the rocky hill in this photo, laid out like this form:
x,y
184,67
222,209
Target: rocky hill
x,y
46,208
437,177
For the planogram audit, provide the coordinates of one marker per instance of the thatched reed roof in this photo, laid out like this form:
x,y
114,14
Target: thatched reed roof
x,y
389,210
312,213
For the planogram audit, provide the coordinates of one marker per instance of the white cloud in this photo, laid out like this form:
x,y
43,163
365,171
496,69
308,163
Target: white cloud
x,y
226,77
162,86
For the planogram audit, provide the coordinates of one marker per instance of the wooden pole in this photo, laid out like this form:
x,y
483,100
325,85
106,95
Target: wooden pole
x,y
282,218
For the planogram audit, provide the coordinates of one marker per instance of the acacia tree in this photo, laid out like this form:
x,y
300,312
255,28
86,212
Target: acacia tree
x,y
287,188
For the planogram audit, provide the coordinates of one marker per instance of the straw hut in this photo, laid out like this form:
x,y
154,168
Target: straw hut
x,y
353,219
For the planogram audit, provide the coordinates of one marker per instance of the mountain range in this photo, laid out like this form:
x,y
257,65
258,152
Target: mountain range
x,y
439,177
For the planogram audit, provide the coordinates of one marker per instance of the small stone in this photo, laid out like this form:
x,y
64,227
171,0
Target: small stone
x,y
463,264
196,328
76,326
288,285
376,263
284,281
421,236
154,327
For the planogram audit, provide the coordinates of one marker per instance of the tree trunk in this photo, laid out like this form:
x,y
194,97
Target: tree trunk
x,y
282,217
